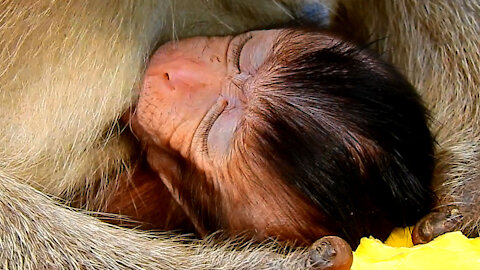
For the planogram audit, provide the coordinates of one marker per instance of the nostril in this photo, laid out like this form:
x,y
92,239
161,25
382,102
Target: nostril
x,y
166,76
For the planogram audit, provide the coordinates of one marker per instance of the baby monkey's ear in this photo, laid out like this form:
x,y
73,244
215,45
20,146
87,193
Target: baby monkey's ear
x,y
166,164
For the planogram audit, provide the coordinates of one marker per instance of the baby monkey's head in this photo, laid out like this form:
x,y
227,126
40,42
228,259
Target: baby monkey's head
x,y
290,133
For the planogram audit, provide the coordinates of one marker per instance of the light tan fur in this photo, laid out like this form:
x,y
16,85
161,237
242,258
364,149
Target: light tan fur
x,y
69,69
436,44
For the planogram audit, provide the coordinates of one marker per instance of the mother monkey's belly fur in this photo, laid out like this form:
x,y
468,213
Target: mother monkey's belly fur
x,y
70,69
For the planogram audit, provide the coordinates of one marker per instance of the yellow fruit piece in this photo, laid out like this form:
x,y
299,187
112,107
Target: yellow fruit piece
x,y
449,251
400,237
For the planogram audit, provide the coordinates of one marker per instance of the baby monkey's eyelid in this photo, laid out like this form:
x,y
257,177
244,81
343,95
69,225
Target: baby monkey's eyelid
x,y
237,50
207,122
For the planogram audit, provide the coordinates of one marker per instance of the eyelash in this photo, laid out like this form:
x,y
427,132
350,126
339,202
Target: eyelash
x,y
238,50
208,121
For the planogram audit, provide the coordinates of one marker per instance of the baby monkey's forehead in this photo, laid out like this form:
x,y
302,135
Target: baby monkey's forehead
x,y
268,50
271,51
294,36
297,41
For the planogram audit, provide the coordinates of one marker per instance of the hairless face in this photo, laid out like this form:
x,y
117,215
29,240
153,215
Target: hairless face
x,y
195,91
288,133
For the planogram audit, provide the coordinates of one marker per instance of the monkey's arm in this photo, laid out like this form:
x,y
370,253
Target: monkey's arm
x,y
36,233
143,198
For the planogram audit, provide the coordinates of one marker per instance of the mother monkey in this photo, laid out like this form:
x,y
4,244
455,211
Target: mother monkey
x,y
67,73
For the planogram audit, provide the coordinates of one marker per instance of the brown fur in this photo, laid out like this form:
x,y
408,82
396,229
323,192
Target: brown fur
x,y
437,46
146,201
67,73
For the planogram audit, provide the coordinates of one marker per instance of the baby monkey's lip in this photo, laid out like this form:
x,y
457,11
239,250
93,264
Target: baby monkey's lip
x,y
127,115
128,122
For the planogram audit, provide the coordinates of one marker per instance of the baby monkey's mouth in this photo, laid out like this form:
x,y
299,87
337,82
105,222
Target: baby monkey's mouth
x,y
206,124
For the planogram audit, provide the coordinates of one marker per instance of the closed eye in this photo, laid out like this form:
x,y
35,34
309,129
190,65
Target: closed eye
x,y
207,122
237,50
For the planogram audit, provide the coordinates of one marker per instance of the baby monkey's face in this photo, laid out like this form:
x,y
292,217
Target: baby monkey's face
x,y
197,115
195,93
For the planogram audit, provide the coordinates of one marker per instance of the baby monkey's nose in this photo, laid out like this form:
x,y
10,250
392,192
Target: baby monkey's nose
x,y
166,76
180,75
161,77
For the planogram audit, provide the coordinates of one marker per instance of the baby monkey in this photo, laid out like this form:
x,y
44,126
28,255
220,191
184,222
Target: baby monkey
x,y
286,133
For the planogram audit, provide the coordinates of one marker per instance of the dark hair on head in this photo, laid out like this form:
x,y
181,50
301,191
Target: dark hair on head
x,y
347,130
